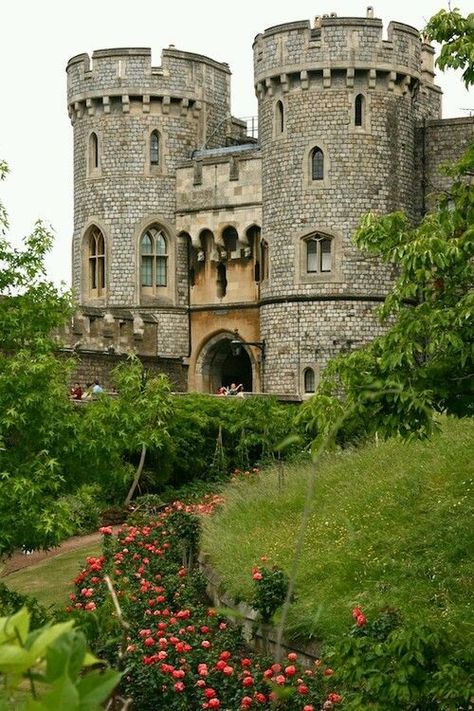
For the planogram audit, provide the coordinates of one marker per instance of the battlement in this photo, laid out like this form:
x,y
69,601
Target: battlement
x,y
129,72
333,43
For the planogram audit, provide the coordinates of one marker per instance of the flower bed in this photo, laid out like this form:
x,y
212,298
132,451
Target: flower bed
x,y
176,652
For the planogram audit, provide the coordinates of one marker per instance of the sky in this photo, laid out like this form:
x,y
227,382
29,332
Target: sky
x,y
38,37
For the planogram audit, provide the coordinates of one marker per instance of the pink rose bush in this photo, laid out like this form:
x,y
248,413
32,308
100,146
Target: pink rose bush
x,y
176,652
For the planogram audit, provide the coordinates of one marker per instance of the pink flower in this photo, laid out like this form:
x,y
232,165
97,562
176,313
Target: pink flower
x,y
179,686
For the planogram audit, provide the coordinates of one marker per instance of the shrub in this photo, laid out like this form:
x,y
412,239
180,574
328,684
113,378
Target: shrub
x,y
386,665
11,601
84,507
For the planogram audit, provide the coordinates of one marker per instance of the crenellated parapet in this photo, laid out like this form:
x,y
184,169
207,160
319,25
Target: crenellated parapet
x,y
114,78
295,54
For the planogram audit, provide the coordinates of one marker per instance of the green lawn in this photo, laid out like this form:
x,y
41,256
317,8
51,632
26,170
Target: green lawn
x,y
391,525
50,580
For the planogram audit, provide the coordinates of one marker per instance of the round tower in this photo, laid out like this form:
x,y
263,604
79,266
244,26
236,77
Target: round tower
x,y
338,105
133,123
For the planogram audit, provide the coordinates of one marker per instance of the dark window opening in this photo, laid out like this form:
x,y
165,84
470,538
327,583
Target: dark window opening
x,y
230,238
221,280
317,164
358,105
155,148
309,381
93,151
280,117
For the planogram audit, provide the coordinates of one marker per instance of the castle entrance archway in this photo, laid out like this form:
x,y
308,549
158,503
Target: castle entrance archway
x,y
221,367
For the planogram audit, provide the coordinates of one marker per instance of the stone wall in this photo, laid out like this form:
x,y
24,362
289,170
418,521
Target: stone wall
x,y
439,142
92,365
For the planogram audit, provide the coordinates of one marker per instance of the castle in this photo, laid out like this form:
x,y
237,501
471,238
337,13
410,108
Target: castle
x,y
219,257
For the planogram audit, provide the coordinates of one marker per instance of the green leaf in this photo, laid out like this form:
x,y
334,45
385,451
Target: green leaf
x,y
15,627
95,687
47,636
64,696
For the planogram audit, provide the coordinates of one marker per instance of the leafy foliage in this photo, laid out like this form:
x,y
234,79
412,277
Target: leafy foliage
x,y
456,33
52,659
11,601
386,666
35,428
270,587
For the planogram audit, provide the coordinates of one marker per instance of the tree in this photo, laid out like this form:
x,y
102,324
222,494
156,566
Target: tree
x,y
35,426
425,361
114,430
456,35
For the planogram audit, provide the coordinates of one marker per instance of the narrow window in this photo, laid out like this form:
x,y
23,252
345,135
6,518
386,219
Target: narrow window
x,y
93,151
221,280
325,255
161,261
279,117
317,164
155,148
154,259
147,260
309,380
312,256
96,262
358,109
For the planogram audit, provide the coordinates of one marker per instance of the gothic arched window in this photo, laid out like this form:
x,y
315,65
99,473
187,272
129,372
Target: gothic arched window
x,y
318,254
317,164
154,259
96,259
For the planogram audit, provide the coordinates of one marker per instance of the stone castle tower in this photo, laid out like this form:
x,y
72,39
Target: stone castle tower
x,y
220,258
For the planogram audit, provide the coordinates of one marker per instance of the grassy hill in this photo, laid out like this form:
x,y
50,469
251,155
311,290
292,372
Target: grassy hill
x,y
391,525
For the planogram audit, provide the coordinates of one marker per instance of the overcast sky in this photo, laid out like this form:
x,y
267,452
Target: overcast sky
x,y
39,36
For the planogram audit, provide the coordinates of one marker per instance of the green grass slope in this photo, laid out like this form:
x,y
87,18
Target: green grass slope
x,y
391,525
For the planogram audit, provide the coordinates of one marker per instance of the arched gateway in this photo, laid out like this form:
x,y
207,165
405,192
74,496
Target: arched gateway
x,y
217,365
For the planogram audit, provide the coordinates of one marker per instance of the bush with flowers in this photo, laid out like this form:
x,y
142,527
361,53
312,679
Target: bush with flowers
x,y
386,665
174,651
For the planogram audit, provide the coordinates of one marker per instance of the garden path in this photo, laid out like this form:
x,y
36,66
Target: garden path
x,y
20,560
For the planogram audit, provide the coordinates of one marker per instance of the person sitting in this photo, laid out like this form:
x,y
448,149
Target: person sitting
x,y
76,392
221,391
235,389
97,389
